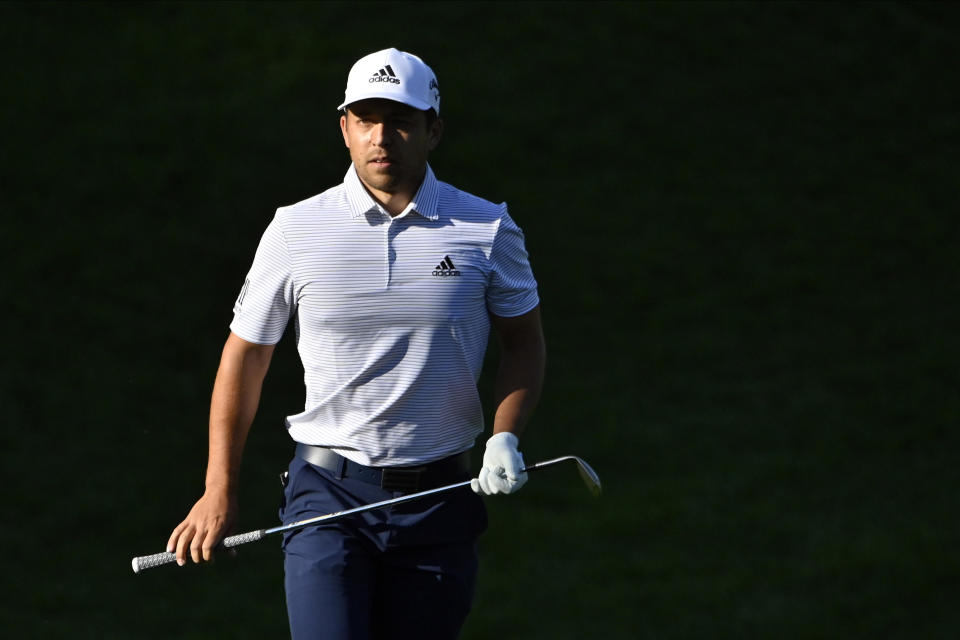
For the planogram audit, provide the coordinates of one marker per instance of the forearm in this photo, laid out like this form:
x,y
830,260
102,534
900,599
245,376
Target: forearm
x,y
233,405
236,394
517,391
519,379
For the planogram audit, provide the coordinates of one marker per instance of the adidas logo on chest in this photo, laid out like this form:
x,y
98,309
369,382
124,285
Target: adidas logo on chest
x,y
445,269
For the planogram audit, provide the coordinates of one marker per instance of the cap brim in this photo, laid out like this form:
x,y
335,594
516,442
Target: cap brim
x,y
409,101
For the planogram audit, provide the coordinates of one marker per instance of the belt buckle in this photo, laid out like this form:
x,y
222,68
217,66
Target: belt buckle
x,y
404,480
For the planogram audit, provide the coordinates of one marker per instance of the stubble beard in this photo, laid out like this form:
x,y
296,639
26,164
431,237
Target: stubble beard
x,y
385,182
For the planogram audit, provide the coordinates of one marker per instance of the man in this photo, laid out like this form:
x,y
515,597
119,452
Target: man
x,y
393,280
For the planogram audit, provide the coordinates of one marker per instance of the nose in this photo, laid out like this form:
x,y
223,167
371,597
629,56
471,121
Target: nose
x,y
380,135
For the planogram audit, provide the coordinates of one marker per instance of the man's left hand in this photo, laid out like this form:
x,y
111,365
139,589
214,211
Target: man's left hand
x,y
502,470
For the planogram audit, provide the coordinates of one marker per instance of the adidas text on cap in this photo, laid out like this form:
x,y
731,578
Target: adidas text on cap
x,y
393,75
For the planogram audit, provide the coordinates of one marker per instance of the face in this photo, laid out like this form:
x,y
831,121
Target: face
x,y
389,143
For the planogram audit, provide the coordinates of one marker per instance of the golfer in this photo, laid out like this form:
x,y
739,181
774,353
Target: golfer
x,y
393,280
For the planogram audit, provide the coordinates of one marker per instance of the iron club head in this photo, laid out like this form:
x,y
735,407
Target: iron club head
x,y
590,477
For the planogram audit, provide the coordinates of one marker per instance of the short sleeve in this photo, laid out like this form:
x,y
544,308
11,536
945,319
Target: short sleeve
x,y
512,289
266,302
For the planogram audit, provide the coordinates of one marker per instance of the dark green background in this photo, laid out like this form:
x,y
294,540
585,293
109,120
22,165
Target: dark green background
x,y
743,221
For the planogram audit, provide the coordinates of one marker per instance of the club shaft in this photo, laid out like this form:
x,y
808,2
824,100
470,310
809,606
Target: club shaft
x,y
336,515
167,557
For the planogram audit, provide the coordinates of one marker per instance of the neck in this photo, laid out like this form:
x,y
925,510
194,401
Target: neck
x,y
394,202
398,197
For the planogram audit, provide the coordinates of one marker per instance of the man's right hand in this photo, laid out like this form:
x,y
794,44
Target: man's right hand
x,y
208,522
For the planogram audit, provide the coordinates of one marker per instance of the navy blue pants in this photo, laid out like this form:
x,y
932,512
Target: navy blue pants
x,y
407,571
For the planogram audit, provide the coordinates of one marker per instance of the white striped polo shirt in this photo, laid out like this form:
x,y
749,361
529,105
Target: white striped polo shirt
x,y
391,314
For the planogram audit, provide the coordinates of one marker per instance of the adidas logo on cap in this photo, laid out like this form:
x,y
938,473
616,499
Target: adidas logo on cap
x,y
385,74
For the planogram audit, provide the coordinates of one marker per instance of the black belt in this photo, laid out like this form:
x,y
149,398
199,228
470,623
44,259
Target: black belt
x,y
405,479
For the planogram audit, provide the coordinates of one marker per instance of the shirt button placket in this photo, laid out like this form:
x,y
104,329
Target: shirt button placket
x,y
389,254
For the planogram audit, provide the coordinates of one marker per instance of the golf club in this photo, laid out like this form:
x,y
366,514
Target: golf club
x,y
590,478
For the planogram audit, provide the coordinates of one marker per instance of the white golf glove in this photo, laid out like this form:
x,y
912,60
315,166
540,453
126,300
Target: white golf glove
x,y
502,464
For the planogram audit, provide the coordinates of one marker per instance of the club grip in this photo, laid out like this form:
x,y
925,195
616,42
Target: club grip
x,y
243,538
166,557
149,562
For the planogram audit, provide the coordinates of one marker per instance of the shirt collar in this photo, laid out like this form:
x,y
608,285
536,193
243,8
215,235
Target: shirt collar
x,y
424,201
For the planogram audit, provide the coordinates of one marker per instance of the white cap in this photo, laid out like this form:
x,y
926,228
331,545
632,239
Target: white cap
x,y
393,75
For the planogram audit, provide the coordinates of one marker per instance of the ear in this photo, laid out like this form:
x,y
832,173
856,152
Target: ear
x,y
434,135
343,130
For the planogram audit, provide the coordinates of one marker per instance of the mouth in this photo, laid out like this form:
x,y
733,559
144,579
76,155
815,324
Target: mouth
x,y
383,163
